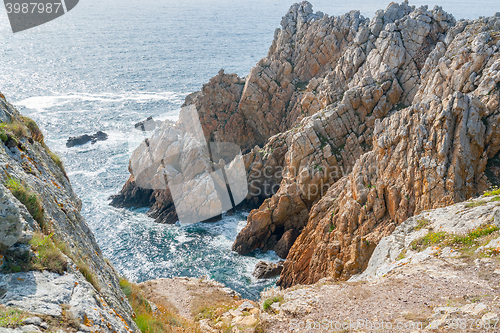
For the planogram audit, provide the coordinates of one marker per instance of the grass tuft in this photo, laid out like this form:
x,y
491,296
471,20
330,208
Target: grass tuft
x,y
492,192
270,301
48,255
28,198
11,317
466,243
421,224
432,238
475,204
88,274
16,128
164,320
35,132
471,238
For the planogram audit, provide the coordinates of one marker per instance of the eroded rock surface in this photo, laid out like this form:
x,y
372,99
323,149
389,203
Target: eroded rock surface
x,y
428,155
100,305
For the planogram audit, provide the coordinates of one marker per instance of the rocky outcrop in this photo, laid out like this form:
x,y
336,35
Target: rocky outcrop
x,y
36,198
459,219
373,75
83,139
431,154
362,123
264,270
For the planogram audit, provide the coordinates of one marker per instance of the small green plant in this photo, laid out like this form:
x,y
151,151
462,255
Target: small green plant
x,y
166,320
332,227
402,255
423,223
497,198
88,274
432,238
16,128
270,301
28,198
48,255
36,134
11,318
492,192
475,204
3,135
471,238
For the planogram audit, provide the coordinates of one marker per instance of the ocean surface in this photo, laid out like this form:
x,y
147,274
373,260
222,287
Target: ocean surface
x,y
108,64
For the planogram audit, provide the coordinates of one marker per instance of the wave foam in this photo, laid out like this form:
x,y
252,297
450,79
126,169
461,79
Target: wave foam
x,y
47,102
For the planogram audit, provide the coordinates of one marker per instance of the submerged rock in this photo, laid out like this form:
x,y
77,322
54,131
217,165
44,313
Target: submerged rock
x,y
83,139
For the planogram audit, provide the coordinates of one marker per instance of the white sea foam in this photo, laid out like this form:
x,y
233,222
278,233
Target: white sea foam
x,y
47,102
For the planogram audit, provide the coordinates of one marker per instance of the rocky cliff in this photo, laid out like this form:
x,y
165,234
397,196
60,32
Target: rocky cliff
x,y
438,270
351,125
52,267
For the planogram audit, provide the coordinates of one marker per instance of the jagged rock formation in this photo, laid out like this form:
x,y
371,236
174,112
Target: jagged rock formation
x,y
362,123
431,287
459,219
52,207
374,73
429,155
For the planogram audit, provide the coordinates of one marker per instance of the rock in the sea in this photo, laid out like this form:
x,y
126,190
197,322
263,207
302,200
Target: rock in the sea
x,y
83,139
429,155
265,270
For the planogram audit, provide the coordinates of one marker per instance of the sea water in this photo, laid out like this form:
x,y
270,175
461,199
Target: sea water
x,y
109,64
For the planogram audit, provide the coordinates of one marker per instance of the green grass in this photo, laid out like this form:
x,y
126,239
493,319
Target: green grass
x,y
465,243
471,238
497,198
492,192
57,160
3,135
11,318
423,223
432,238
270,301
402,255
15,128
27,128
28,198
49,256
88,274
475,204
332,227
35,132
147,321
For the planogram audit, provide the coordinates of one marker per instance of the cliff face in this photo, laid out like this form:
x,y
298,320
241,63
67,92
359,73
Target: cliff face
x,y
374,72
429,155
51,264
362,123
437,269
